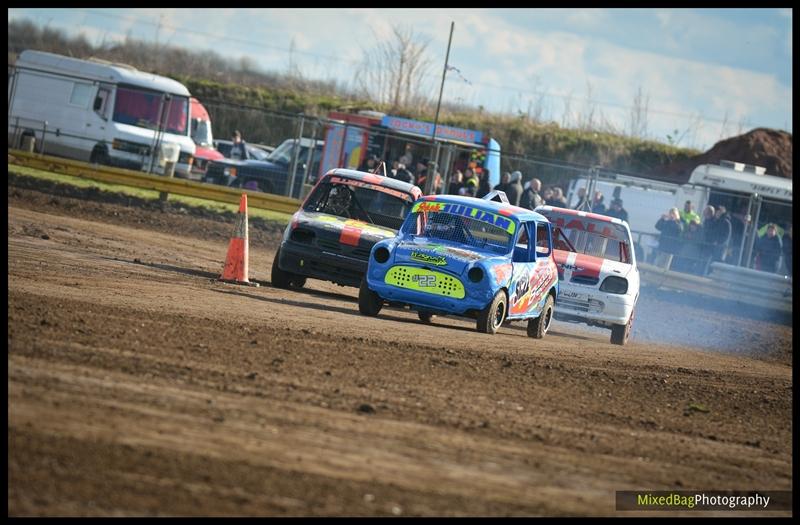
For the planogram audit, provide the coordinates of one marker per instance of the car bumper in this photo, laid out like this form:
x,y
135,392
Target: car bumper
x,y
476,297
312,262
593,307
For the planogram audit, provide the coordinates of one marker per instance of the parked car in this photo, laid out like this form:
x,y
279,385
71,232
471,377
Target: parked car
x,y
267,172
597,270
252,151
330,237
467,257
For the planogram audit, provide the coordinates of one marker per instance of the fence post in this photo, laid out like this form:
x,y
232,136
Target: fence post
x,y
293,165
753,233
44,136
309,158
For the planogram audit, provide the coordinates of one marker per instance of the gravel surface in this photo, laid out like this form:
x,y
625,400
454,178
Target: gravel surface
x,y
140,385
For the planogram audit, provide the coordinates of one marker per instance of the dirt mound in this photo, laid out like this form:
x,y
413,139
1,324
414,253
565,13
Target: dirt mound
x,y
769,148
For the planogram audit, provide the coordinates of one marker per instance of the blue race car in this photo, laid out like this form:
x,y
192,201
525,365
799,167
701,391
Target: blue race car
x,y
467,257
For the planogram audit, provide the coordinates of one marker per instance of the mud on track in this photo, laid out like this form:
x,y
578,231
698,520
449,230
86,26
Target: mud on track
x,y
138,385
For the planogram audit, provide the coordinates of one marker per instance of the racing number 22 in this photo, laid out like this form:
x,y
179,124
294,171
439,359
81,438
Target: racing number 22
x,y
425,280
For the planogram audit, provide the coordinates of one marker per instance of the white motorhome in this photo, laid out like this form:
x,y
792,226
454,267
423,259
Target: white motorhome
x,y
100,112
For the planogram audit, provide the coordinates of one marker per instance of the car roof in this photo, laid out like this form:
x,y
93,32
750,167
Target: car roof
x,y
377,179
502,208
579,213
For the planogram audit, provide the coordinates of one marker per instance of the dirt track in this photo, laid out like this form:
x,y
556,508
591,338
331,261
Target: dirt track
x,y
138,385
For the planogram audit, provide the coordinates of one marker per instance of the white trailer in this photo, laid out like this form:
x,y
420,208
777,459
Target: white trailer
x,y
99,112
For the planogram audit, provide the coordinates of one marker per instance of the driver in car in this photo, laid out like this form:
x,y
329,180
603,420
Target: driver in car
x,y
339,201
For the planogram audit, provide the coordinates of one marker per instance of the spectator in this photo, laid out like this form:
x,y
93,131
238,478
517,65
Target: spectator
x,y
708,227
470,187
583,200
787,249
619,212
421,173
239,148
393,172
505,179
408,157
456,183
557,199
671,228
691,260
370,163
722,235
530,198
688,214
547,195
401,173
768,250
597,204
514,191
484,186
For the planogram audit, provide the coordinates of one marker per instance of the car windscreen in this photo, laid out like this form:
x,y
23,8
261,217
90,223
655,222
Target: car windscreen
x,y
361,201
282,154
142,108
256,153
463,225
591,237
201,132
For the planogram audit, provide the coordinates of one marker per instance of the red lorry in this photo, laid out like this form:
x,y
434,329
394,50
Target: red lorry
x,y
203,139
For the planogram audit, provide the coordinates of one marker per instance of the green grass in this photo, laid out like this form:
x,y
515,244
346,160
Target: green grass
x,y
219,207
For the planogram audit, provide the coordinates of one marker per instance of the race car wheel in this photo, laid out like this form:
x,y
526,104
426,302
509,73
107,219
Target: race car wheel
x,y
621,332
491,318
425,317
280,278
299,281
369,303
538,327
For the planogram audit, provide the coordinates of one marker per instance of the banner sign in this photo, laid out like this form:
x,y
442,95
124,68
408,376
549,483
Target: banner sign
x,y
426,129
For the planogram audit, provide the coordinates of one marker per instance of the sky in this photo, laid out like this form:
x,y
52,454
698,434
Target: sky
x,y
704,74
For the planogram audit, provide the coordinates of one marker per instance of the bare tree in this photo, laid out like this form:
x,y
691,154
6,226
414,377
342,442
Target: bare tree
x,y
565,118
639,114
393,71
586,119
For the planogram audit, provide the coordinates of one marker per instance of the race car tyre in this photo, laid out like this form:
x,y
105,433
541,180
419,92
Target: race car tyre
x,y
299,281
280,278
369,303
621,332
425,317
539,326
491,318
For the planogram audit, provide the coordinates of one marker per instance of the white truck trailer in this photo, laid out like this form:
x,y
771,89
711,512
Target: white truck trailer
x,y
99,112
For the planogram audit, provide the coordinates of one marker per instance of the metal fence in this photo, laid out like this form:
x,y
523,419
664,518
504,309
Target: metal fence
x,y
271,128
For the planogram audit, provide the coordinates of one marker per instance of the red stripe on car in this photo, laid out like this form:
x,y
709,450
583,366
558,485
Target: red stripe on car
x,y
350,235
588,266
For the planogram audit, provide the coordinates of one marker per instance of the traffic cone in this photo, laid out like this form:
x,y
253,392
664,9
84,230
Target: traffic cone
x,y
236,269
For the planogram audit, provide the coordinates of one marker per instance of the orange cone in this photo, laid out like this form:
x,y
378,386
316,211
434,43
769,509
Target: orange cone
x,y
236,269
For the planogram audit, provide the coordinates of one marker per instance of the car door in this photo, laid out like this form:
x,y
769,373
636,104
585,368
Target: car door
x,y
533,271
523,265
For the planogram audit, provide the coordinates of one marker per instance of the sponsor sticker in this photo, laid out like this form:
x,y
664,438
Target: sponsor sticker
x,y
438,260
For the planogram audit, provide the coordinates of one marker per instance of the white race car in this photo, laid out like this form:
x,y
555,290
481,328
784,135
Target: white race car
x,y
599,279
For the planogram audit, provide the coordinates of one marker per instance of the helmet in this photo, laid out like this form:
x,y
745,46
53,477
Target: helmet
x,y
339,200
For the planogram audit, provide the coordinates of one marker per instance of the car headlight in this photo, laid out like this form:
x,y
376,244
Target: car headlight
x,y
475,274
229,172
618,285
381,255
